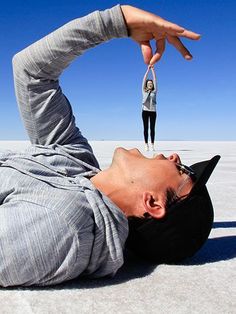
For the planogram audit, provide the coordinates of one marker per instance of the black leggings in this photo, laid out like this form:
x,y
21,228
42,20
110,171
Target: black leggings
x,y
146,115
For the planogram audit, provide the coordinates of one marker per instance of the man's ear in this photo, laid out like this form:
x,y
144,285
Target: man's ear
x,y
155,208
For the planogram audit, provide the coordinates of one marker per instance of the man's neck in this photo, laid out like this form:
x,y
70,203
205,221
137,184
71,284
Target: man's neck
x,y
109,183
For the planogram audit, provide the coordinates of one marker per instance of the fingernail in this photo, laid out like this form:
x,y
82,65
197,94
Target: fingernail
x,y
188,57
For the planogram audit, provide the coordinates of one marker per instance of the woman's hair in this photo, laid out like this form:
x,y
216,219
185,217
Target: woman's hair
x,y
145,86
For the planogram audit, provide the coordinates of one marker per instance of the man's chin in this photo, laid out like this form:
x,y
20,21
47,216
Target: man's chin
x,y
117,153
123,152
136,152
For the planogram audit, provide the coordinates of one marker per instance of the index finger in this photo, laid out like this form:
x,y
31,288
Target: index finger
x,y
174,29
189,34
160,48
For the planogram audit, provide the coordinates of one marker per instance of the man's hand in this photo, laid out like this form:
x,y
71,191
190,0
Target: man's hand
x,y
144,26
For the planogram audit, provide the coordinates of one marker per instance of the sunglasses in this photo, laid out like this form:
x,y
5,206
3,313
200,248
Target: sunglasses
x,y
187,170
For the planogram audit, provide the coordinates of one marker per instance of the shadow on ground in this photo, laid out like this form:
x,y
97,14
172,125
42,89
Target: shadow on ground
x,y
224,224
131,269
214,250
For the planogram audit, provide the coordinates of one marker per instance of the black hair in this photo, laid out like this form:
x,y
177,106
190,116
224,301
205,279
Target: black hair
x,y
145,87
171,199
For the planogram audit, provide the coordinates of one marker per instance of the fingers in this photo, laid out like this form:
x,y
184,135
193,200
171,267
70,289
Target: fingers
x,y
160,48
176,42
167,27
189,35
150,58
144,27
146,51
173,29
172,32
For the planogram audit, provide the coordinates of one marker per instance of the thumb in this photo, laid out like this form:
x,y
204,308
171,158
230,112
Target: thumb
x,y
146,51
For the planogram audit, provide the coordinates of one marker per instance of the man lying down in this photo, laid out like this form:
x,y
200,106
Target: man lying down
x,y
61,216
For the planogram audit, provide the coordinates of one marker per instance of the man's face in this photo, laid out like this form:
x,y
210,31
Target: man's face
x,y
157,173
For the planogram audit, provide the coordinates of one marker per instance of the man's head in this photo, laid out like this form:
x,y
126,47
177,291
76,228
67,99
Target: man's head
x,y
184,228
167,204
145,182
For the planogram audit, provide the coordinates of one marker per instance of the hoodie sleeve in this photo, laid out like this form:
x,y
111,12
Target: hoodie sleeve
x,y
46,112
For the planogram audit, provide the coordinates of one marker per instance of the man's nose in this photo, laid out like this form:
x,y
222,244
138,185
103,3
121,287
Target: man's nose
x,y
174,158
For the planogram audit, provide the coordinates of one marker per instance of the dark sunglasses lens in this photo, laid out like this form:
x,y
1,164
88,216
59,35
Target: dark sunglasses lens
x,y
189,171
192,174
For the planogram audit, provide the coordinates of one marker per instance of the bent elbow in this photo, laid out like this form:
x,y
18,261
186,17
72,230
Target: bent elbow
x,y
16,60
17,63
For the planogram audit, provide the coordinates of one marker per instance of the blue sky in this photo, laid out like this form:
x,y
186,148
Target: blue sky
x,y
196,99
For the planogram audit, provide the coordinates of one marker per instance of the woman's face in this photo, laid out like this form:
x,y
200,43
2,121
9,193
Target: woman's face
x,y
149,85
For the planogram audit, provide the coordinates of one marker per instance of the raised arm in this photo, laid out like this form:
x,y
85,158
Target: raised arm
x,y
144,78
46,112
154,78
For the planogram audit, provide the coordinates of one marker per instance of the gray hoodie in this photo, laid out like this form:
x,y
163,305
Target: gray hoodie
x,y
55,225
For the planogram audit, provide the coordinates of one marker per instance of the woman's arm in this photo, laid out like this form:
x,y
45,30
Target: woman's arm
x,y
154,78
144,78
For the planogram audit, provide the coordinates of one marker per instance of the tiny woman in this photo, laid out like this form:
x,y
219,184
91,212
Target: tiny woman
x,y
149,89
